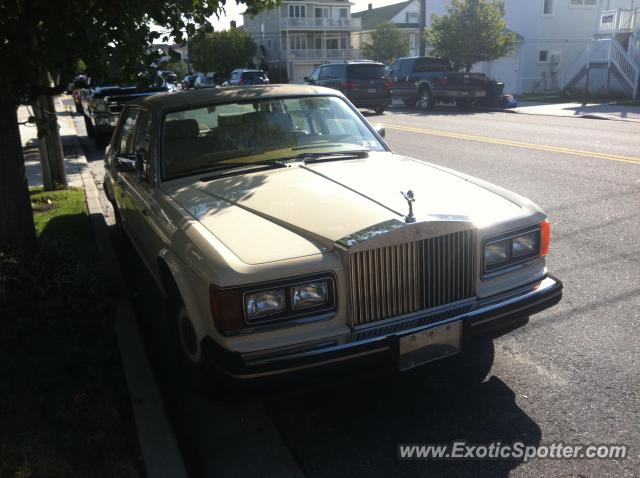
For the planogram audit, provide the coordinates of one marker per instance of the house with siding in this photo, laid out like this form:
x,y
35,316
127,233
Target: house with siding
x,y
300,35
573,44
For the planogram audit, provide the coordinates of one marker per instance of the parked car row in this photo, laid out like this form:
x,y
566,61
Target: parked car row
x,y
238,77
417,81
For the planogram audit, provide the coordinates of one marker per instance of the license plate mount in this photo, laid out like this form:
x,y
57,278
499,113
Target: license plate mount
x,y
429,345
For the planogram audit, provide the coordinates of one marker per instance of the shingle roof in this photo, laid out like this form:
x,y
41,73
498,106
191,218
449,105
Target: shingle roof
x,y
372,18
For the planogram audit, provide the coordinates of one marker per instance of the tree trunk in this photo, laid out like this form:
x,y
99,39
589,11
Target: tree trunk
x,y
51,152
16,217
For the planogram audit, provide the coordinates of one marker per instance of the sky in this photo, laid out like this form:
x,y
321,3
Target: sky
x,y
234,11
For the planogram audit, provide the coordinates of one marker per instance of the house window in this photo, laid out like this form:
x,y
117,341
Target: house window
x,y
343,42
411,17
332,43
297,11
344,13
583,3
298,42
543,56
322,13
547,7
268,43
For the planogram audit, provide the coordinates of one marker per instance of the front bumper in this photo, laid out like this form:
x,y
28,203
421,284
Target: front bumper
x,y
485,318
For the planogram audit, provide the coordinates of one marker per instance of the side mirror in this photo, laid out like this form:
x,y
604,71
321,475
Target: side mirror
x,y
379,129
126,162
306,79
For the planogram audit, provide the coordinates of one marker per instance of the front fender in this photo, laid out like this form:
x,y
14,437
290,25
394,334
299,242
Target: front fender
x,y
183,278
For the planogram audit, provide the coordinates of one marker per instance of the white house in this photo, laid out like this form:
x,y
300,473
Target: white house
x,y
300,35
405,15
553,38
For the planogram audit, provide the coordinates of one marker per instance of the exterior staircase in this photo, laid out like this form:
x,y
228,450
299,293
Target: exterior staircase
x,y
610,65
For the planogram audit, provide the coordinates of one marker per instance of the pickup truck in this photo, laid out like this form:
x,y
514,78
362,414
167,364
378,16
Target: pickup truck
x,y
101,106
423,81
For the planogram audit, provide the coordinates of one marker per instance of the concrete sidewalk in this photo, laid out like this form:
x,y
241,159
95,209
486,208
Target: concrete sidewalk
x,y
580,110
29,136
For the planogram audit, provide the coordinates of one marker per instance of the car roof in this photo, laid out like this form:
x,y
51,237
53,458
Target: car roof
x,y
192,98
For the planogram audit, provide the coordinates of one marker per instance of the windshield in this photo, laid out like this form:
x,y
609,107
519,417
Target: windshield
x,y
211,137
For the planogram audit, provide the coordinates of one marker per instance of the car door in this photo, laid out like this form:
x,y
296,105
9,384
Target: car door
x,y
330,77
400,74
121,158
147,220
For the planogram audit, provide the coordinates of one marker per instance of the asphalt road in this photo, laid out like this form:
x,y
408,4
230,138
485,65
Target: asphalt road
x,y
571,375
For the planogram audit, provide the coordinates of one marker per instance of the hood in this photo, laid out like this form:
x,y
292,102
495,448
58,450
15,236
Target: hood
x,y
302,210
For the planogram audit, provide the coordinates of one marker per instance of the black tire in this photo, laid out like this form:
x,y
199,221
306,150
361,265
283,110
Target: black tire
x,y
89,127
425,99
379,109
186,349
78,108
463,104
121,235
410,103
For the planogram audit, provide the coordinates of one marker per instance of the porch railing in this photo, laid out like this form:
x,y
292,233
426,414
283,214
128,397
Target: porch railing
x,y
618,21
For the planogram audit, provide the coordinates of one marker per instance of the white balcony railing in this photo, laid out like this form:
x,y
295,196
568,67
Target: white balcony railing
x,y
347,23
341,53
618,21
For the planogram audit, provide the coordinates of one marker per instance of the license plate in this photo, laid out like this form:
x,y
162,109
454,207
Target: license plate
x,y
432,344
371,90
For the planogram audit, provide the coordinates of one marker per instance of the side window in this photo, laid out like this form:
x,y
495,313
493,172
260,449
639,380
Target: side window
x,y
142,142
125,143
330,72
324,72
315,74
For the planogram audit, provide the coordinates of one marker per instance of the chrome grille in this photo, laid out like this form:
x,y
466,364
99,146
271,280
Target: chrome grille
x,y
403,278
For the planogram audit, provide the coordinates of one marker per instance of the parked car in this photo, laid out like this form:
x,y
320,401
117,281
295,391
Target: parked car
x,y
188,82
246,76
101,106
365,83
204,81
273,220
425,81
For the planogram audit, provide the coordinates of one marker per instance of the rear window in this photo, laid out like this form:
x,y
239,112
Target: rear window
x,y
252,75
432,66
366,72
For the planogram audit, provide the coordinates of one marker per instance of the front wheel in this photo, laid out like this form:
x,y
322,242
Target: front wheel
x,y
379,109
425,99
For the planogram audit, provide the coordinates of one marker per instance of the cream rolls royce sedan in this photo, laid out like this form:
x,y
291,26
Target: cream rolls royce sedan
x,y
288,237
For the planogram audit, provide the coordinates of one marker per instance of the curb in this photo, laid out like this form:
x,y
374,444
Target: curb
x,y
596,116
158,444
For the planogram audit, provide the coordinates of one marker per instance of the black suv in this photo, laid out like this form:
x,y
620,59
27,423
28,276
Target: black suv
x,y
365,83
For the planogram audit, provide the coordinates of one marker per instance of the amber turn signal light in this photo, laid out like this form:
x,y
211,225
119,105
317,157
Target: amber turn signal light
x,y
545,237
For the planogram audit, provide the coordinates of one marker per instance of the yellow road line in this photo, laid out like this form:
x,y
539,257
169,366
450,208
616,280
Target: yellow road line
x,y
517,144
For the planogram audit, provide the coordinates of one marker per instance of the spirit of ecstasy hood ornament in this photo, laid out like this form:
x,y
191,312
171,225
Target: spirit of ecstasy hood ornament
x,y
409,218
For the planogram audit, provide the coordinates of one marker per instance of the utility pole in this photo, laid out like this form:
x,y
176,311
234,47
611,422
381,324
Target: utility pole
x,y
423,25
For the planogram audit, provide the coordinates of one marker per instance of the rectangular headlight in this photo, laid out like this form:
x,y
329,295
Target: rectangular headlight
x,y
264,303
308,295
496,253
525,245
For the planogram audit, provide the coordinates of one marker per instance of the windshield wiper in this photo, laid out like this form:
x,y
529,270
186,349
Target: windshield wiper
x,y
233,169
309,158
